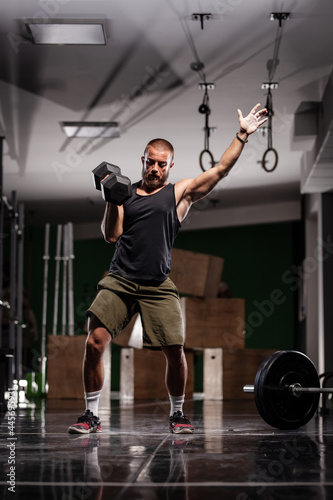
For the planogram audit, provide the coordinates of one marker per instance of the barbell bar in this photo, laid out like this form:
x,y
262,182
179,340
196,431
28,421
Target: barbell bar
x,y
294,388
287,389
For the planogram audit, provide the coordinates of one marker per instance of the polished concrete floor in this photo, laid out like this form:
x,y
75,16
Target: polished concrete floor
x,y
233,454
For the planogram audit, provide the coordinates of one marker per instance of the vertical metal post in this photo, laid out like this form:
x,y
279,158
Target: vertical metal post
x,y
12,285
20,319
46,258
56,281
1,236
70,280
64,281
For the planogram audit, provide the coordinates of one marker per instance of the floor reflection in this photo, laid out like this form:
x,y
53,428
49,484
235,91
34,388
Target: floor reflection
x,y
92,487
232,454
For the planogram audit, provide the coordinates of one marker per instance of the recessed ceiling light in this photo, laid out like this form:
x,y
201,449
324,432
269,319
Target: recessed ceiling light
x,y
91,129
67,32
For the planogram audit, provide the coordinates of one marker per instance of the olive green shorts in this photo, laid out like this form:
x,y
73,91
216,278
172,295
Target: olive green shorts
x,y
118,299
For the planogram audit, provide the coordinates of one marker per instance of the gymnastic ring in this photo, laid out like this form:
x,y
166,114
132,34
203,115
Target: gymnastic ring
x,y
263,161
211,158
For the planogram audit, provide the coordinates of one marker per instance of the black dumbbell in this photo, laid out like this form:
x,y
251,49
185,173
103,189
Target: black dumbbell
x,y
100,172
116,188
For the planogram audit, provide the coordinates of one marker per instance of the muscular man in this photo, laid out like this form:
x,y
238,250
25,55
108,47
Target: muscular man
x,y
144,229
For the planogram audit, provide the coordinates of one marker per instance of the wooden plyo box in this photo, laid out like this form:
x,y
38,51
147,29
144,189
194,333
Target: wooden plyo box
x,y
226,372
196,273
213,322
64,368
142,374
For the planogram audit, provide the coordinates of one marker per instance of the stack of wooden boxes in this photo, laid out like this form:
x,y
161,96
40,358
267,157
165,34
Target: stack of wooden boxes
x,y
64,368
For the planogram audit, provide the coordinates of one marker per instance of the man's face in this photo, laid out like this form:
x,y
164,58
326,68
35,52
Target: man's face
x,y
156,165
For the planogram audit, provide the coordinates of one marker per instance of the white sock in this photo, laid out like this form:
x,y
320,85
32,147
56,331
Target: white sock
x,y
176,403
92,400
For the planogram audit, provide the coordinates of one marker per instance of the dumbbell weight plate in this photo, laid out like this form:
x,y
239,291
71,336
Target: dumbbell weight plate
x,y
275,402
116,189
101,171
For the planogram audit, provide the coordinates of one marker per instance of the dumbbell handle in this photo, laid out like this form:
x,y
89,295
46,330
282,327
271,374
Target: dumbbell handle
x,y
107,175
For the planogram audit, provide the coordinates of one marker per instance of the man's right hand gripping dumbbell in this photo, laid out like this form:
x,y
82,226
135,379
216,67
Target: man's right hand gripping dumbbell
x,y
116,188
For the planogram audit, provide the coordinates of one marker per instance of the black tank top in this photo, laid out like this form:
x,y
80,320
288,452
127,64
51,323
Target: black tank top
x,y
151,224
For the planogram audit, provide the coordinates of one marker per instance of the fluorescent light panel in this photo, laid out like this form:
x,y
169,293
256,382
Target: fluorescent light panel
x,y
67,33
91,129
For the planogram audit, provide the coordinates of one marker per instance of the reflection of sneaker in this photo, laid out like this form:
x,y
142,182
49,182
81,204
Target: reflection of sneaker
x,y
179,443
88,443
85,424
180,424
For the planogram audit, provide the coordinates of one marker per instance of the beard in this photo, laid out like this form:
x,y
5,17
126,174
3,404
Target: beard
x,y
153,181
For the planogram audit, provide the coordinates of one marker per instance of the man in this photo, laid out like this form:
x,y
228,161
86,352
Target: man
x,y
144,230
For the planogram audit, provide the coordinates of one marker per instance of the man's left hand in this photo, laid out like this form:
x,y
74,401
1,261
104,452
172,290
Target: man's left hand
x,y
253,120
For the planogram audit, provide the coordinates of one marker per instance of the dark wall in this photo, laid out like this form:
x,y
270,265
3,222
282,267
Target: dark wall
x,y
327,259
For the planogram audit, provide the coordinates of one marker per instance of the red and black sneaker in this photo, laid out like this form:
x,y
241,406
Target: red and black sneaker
x,y
85,424
180,424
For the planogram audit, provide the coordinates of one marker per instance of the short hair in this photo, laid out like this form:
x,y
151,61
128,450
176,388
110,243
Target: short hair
x,y
161,145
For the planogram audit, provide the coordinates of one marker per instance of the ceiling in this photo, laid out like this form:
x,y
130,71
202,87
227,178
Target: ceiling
x,y
142,79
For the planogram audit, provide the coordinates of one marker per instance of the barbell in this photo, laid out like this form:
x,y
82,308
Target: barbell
x,y
287,389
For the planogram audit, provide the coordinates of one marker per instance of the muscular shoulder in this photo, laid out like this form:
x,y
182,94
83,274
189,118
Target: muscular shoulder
x,y
183,201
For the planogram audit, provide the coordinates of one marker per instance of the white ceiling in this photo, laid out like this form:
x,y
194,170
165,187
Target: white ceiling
x,y
142,79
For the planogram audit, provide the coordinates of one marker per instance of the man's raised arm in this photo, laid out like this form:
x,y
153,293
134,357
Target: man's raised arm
x,y
189,191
